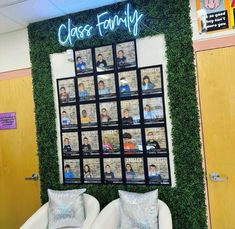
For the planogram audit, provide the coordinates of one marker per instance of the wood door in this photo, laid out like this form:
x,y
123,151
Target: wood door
x,y
19,198
216,77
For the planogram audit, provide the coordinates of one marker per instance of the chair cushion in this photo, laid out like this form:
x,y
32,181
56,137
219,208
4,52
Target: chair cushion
x,y
139,211
66,209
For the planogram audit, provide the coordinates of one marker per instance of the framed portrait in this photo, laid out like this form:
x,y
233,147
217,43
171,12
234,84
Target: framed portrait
x,y
127,83
66,91
104,58
130,112
106,86
132,141
158,170
151,80
90,143
86,88
91,170
72,171
68,117
83,61
108,114
112,170
110,142
88,115
134,170
126,55
153,110
155,140
70,144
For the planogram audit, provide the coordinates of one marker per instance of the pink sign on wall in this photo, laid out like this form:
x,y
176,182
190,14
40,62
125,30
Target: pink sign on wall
x,y
7,121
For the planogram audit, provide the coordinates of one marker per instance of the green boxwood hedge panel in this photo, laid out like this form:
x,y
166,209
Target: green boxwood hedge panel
x,y
168,17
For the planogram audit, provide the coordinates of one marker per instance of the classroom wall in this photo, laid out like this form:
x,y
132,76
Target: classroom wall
x,y
14,53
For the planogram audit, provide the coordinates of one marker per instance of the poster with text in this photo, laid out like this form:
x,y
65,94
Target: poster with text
x,y
90,143
128,83
104,58
83,61
153,110
68,117
134,170
126,56
110,142
66,91
70,143
108,114
151,80
86,88
158,172
88,115
112,170
106,86
155,140
132,141
216,15
91,170
72,171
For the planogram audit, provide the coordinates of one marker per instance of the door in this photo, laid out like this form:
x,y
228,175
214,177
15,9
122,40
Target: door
x,y
216,77
19,198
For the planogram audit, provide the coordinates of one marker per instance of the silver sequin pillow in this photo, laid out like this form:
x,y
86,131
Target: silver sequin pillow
x,y
138,211
66,208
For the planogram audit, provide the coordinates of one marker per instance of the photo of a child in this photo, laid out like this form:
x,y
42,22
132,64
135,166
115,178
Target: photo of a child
x,y
83,60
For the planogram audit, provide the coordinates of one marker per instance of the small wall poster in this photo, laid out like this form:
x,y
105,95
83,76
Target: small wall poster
x,y
7,121
216,15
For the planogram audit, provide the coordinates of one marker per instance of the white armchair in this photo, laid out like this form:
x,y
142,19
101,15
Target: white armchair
x,y
109,217
39,219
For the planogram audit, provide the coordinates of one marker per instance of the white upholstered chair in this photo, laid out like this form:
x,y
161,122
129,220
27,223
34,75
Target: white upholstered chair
x,y
109,217
39,219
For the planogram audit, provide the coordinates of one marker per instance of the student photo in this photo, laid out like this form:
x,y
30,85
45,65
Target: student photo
x,y
66,90
83,60
126,56
107,146
151,82
130,112
112,170
90,143
104,58
155,140
108,174
86,88
64,96
130,173
68,174
128,144
71,170
108,114
153,110
128,83
106,86
70,143
65,120
86,147
110,141
158,170
91,170
68,117
88,115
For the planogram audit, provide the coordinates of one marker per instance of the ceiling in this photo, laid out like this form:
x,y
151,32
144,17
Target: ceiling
x,y
17,14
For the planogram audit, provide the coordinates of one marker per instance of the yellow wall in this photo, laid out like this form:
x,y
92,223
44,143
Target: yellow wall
x,y
18,154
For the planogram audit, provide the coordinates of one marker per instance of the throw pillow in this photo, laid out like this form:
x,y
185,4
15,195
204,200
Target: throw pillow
x,y
66,208
139,211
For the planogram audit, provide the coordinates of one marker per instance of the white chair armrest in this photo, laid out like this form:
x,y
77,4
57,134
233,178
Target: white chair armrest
x,y
38,220
92,209
164,217
109,217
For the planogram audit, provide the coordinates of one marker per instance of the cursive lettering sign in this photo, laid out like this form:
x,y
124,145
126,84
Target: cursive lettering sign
x,y
129,19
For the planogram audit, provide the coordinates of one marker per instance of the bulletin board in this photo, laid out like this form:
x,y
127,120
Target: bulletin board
x,y
112,119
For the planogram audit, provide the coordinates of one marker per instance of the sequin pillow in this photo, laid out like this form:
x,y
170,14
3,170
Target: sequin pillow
x,y
66,208
138,211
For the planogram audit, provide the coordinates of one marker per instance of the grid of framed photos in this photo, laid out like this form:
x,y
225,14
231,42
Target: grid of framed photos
x,y
112,115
